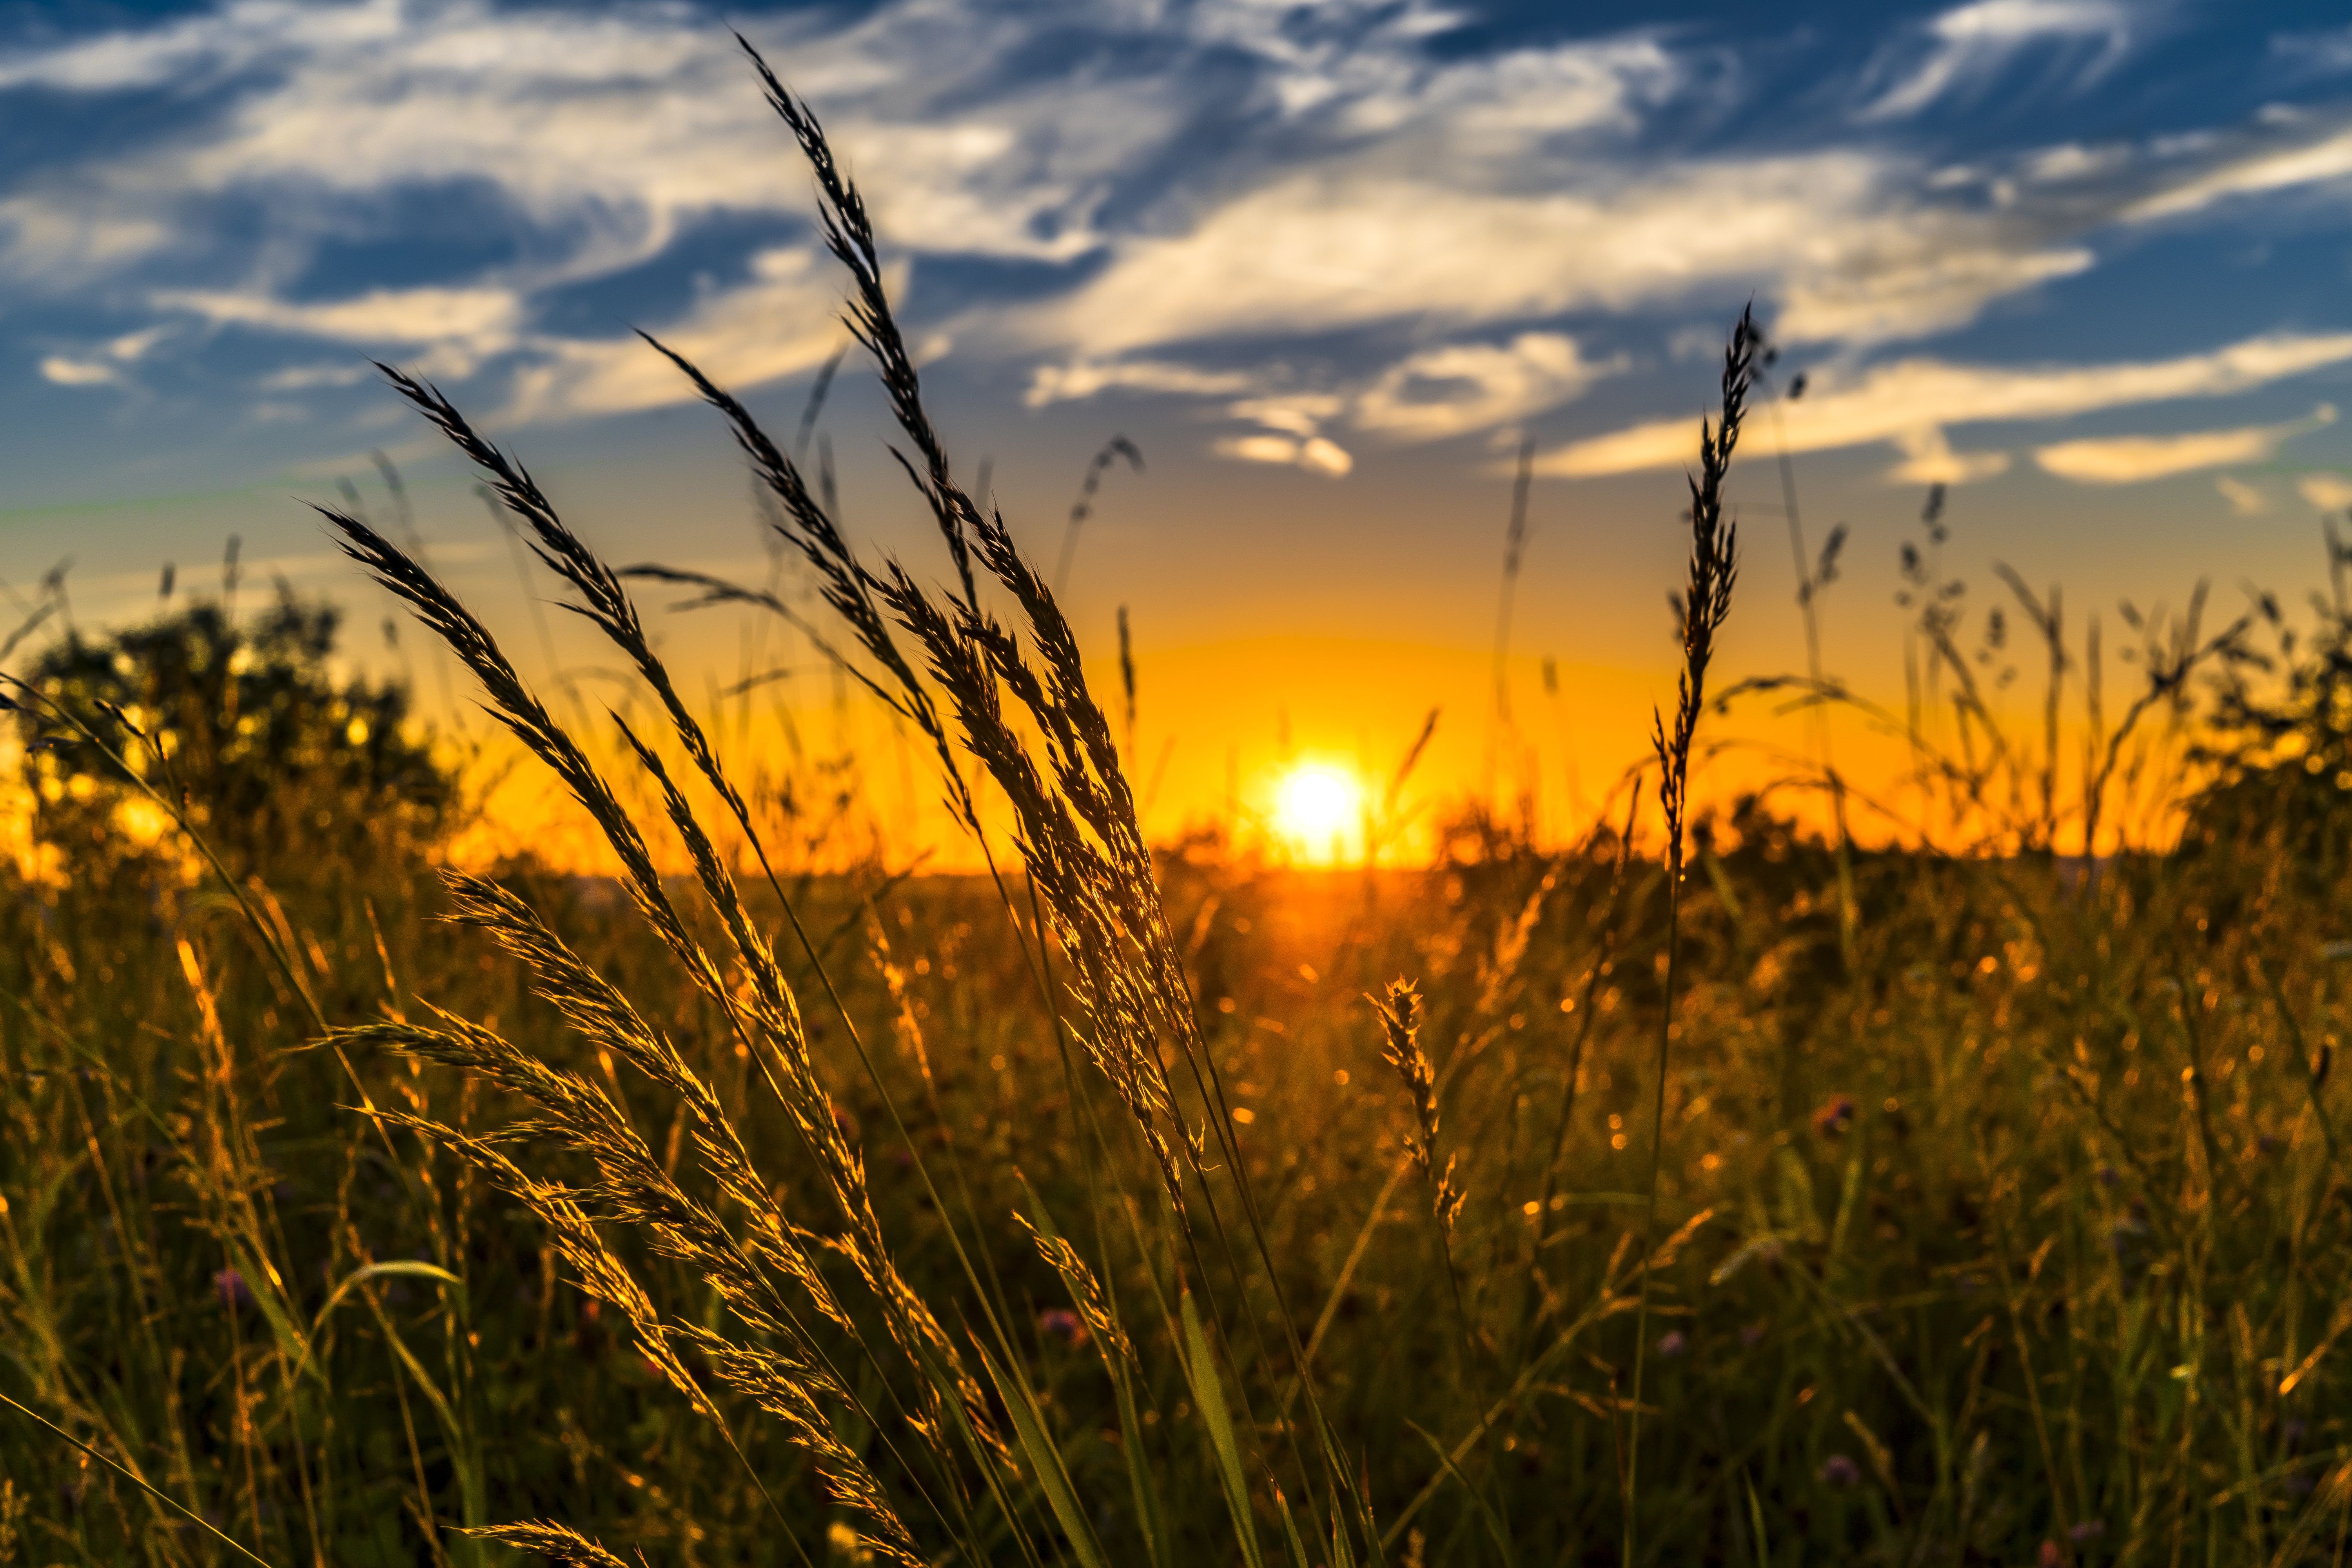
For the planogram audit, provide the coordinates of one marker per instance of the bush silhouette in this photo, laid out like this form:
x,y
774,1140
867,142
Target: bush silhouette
x,y
273,755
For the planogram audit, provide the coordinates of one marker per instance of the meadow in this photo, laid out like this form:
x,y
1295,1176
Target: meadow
x,y
1722,1187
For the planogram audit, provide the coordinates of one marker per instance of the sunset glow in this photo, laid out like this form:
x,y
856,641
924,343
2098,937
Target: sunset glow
x,y
1318,809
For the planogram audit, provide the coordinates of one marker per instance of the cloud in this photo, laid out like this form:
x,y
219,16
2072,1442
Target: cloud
x,y
1050,383
486,316
1313,453
2129,460
64,372
1180,194
1840,233
1967,47
2322,53
307,377
2244,499
1904,402
1928,459
2258,171
1460,387
2328,493
786,320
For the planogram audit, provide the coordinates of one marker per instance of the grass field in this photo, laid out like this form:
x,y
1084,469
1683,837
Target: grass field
x,y
1713,1192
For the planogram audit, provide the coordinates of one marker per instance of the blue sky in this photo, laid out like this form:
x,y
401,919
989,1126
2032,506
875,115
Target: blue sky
x,y
2090,261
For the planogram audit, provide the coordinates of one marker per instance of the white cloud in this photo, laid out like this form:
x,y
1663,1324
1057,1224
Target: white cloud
x,y
64,372
1967,46
1446,390
1052,384
786,321
305,377
1314,453
2258,171
2245,499
1840,233
1928,459
1299,413
610,130
1226,169
2129,460
484,317
59,237
2328,493
1902,402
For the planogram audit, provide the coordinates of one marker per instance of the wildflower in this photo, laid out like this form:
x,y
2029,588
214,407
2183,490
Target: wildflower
x,y
2088,1530
1836,1117
230,1287
1672,1343
2049,1556
1061,1323
1839,1471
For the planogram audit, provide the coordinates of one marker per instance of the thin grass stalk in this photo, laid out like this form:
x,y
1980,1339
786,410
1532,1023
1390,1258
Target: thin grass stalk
x,y
1515,549
777,1019
770,1005
1706,602
1575,1067
1083,508
1099,880
1811,578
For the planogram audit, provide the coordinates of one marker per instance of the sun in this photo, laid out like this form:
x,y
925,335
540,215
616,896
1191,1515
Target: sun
x,y
1316,806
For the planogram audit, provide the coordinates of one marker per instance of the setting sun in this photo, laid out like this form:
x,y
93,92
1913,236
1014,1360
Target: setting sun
x,y
1316,806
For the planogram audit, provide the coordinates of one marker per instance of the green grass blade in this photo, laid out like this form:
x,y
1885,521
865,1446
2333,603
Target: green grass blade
x,y
137,1480
1209,1395
396,1269
1495,1529
1045,1459
1756,1522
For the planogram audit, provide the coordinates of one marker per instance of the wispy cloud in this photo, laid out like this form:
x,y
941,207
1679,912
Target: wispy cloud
x,y
1349,223
61,371
1912,402
1459,387
783,322
1840,236
2316,53
2130,459
2245,499
2328,493
1314,453
1962,50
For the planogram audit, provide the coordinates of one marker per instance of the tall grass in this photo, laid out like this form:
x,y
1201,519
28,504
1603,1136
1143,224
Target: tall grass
x,y
1945,1203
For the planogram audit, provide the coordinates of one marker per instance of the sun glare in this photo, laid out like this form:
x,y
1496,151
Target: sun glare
x,y
1317,807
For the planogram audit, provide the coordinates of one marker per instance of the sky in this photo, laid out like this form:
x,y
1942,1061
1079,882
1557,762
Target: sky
x,y
2084,262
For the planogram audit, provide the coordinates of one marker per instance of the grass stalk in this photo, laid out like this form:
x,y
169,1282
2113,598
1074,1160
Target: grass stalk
x,y
1706,603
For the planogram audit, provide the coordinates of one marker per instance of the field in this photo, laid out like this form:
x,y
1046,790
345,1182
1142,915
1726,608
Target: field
x,y
1712,1190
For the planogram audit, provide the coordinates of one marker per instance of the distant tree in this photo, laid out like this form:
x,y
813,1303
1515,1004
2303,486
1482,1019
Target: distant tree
x,y
276,758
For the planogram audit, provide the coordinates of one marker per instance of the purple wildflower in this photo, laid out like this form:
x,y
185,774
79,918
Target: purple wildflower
x,y
230,1287
1839,1471
1061,1323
